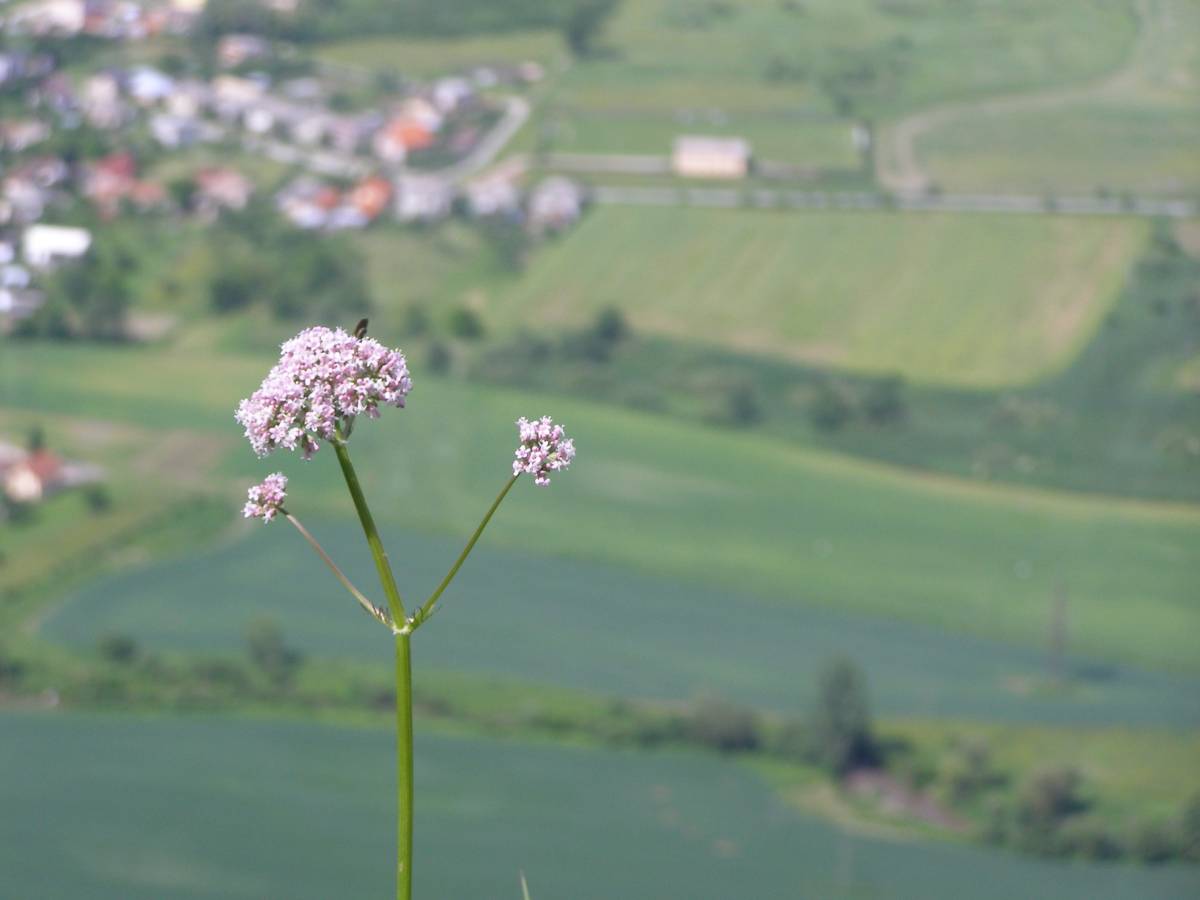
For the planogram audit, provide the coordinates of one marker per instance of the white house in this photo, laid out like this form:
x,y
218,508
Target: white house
x,y
449,93
491,196
422,198
710,157
174,132
45,245
49,17
555,203
148,86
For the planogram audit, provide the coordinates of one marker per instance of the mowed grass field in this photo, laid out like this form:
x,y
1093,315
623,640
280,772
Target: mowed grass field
x,y
677,500
1086,148
600,628
984,301
818,142
96,807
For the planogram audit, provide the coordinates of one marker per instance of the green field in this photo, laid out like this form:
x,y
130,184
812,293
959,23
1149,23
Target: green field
x,y
1086,148
443,56
984,301
96,807
685,54
1136,129
802,526
572,623
817,142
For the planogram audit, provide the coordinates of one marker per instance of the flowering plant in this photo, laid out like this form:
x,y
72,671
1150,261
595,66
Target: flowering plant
x,y
324,380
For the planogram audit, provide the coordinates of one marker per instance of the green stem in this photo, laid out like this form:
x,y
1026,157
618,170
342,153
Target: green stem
x,y
426,609
374,611
368,524
404,768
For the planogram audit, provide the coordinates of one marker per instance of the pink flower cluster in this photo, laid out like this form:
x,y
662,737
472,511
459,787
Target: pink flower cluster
x,y
324,377
266,499
544,448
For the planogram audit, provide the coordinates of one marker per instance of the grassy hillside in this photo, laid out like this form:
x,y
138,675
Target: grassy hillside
x,y
1150,149
680,823
956,299
601,628
1136,129
802,526
764,54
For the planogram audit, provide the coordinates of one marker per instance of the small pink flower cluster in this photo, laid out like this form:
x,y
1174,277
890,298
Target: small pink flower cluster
x,y
324,377
266,499
544,448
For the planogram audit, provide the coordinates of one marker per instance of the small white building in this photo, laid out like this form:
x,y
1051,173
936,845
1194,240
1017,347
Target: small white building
x,y
556,203
696,156
493,196
45,245
450,93
422,198
147,85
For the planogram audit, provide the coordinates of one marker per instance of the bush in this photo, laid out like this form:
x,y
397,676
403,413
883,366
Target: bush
x,y
830,409
1088,838
968,771
1153,842
11,669
1189,830
438,359
1046,799
791,741
465,323
724,726
119,648
840,734
269,653
610,326
98,499
884,400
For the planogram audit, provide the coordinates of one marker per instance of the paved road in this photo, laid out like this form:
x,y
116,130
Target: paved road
x,y
767,198
516,111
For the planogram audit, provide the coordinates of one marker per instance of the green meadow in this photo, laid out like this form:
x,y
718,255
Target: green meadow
x,y
1135,129
560,621
986,301
805,527
819,142
284,809
1086,148
671,54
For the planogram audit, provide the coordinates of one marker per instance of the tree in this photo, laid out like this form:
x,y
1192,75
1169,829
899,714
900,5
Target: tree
x,y
611,326
1045,801
829,409
584,23
269,653
465,323
119,648
840,736
89,298
884,400
724,726
1189,830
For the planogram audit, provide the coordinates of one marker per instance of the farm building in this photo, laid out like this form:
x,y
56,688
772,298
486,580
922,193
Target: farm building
x,y
710,157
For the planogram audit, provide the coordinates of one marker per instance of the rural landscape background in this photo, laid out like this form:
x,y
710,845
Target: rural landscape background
x,y
876,323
